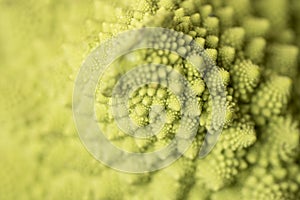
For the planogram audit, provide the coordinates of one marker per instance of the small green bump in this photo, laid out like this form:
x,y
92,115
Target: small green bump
x,y
147,101
225,75
201,32
275,91
141,110
168,4
161,93
245,77
196,19
211,24
151,91
198,86
182,50
212,53
226,56
188,6
233,37
173,104
200,41
255,50
205,10
211,41
179,13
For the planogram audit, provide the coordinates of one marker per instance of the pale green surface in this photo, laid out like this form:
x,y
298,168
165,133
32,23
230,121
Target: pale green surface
x,y
42,45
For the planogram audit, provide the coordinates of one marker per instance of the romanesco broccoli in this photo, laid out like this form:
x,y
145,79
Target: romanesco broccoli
x,y
255,46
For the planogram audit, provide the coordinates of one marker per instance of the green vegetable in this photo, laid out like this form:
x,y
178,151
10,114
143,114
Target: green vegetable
x,y
255,46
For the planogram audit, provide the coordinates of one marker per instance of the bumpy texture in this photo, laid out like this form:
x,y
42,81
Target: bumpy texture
x,y
255,45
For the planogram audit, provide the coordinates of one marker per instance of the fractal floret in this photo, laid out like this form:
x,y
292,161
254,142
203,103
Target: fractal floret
x,y
254,47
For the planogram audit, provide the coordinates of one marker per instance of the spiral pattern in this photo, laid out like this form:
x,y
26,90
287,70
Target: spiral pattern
x,y
148,73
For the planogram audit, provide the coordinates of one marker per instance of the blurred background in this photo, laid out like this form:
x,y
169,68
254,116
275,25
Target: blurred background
x,y
42,45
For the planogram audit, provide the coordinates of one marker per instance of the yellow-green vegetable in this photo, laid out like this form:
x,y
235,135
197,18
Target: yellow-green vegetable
x,y
255,46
